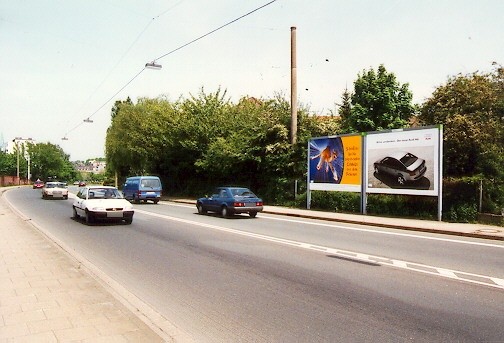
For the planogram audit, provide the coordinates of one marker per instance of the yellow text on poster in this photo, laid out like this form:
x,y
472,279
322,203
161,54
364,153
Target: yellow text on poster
x,y
352,163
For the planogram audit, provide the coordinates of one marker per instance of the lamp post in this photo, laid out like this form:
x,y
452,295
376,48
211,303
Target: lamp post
x,y
16,141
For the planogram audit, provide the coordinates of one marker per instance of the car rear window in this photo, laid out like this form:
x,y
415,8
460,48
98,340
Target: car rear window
x,y
408,159
151,183
242,192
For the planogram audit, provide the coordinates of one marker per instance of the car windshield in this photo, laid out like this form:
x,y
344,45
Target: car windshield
x,y
104,193
408,159
242,192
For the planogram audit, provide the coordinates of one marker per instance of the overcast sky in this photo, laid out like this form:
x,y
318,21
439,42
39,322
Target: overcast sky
x,y
63,61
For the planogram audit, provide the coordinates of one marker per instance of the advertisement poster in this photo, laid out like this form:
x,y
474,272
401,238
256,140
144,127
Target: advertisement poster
x,y
335,163
403,162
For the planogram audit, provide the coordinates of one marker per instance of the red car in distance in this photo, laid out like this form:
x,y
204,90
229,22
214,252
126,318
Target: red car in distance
x,y
38,184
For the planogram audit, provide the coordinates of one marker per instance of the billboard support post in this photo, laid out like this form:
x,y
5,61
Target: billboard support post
x,y
440,175
308,188
363,177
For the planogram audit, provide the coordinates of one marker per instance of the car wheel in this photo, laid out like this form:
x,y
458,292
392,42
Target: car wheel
x,y
224,211
75,214
156,201
89,218
401,180
65,197
201,210
128,221
136,200
253,214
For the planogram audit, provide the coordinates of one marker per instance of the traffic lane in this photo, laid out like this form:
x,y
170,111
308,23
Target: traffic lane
x,y
471,255
430,249
229,287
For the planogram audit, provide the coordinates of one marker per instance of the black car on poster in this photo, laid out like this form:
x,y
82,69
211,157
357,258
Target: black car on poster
x,y
402,166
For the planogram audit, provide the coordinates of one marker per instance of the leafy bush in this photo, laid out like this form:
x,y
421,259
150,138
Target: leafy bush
x,y
462,213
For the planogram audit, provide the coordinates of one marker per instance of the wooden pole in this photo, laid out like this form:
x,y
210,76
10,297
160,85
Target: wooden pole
x,y
293,87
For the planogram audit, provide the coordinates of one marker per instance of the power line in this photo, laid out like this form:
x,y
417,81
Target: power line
x,y
215,30
106,102
162,56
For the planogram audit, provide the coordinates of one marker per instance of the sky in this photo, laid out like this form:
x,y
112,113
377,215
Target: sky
x,y
62,61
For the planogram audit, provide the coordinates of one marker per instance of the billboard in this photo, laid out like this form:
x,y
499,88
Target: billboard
x,y
403,162
335,163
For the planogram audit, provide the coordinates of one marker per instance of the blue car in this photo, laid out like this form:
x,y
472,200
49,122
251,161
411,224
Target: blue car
x,y
229,201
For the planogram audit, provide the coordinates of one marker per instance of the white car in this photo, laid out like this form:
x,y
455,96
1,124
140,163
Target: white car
x,y
55,190
102,203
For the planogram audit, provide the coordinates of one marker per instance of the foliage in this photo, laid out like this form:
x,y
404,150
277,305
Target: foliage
x,y
333,201
49,160
379,102
8,163
196,143
471,109
205,140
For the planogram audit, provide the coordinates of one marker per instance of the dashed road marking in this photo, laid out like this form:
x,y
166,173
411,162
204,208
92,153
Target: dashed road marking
x,y
380,260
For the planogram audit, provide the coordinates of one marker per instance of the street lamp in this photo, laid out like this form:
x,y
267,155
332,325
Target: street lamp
x,y
153,65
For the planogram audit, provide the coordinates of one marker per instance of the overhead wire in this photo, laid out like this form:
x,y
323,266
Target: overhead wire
x,y
215,30
117,63
168,53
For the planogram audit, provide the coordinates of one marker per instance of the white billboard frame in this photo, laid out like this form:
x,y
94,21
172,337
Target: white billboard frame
x,y
421,143
426,141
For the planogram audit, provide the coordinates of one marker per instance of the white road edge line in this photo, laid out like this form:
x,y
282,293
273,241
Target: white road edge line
x,y
443,272
274,217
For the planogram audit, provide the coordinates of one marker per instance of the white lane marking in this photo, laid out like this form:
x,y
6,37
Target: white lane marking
x,y
384,232
447,273
421,268
274,217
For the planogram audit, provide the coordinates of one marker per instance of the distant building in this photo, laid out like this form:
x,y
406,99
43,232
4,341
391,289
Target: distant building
x,y
92,166
10,146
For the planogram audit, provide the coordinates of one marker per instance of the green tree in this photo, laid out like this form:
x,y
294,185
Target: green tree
x,y
471,109
138,135
379,102
8,164
49,160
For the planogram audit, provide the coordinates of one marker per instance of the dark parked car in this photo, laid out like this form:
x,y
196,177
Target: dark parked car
x,y
230,200
403,166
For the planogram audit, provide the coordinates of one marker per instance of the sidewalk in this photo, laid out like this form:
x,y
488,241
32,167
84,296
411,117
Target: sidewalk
x,y
48,296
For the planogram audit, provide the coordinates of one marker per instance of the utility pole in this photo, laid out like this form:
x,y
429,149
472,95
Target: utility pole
x,y
293,87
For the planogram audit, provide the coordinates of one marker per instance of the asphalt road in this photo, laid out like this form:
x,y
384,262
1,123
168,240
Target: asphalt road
x,y
278,279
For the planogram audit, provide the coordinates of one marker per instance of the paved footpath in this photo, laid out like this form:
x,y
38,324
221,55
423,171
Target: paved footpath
x,y
48,296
